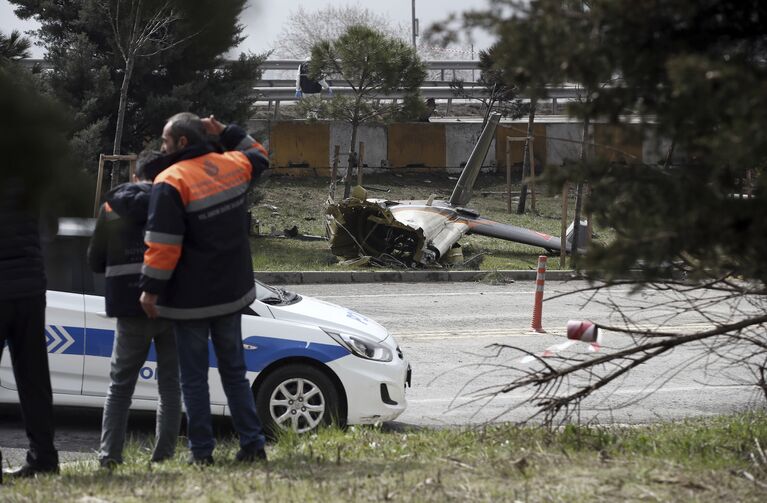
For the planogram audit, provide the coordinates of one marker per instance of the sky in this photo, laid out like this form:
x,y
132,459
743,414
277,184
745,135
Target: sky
x,y
263,19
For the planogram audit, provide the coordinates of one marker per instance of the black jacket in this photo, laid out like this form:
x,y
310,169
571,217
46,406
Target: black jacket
x,y
22,271
198,258
117,247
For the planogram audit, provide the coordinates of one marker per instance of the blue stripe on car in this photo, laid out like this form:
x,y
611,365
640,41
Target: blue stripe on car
x,y
99,342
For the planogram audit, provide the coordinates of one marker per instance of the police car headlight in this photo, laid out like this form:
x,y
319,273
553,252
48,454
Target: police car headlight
x,y
364,348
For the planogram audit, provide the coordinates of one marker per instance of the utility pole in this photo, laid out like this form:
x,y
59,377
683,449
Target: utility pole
x,y
415,26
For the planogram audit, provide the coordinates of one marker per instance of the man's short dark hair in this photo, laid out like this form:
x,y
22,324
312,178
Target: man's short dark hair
x,y
144,169
189,125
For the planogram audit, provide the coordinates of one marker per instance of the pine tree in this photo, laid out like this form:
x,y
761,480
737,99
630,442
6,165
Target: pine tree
x,y
109,61
372,65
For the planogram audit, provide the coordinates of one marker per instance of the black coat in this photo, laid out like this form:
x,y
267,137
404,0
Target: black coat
x,y
117,247
22,270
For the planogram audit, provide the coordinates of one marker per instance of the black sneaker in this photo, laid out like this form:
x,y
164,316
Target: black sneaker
x,y
251,455
203,461
28,471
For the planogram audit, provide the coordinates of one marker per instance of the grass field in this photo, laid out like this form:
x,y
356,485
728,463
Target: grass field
x,y
299,201
717,459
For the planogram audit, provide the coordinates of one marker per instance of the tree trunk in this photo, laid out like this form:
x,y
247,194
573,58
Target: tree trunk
x,y
352,160
670,154
121,118
579,195
130,60
526,161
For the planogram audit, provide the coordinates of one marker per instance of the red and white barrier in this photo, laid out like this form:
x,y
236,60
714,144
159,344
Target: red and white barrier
x,y
540,279
584,331
577,331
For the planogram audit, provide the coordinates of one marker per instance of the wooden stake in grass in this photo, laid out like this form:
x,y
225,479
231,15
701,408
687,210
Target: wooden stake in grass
x,y
334,172
360,163
508,173
509,140
115,159
563,235
532,172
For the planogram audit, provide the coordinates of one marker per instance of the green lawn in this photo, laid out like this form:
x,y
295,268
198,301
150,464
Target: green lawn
x,y
291,201
713,459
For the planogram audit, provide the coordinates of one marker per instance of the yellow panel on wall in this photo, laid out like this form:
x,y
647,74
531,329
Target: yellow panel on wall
x,y
297,144
518,147
618,143
413,144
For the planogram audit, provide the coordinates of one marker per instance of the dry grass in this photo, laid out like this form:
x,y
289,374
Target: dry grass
x,y
702,460
300,201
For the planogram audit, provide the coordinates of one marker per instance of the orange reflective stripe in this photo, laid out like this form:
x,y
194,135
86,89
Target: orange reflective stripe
x,y
261,149
162,256
173,178
214,174
208,179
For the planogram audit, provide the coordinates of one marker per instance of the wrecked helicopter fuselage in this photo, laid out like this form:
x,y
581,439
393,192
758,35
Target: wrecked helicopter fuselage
x,y
422,232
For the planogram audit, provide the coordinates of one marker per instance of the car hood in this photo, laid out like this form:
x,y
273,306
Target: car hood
x,y
315,312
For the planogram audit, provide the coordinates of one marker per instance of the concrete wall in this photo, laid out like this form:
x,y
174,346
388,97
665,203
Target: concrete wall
x,y
563,143
413,144
654,148
299,145
306,147
375,139
618,144
518,147
459,142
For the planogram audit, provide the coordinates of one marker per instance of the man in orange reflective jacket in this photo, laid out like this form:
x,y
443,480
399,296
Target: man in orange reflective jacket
x,y
198,269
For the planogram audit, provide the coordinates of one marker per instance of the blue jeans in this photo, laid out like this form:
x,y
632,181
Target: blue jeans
x,y
131,346
226,334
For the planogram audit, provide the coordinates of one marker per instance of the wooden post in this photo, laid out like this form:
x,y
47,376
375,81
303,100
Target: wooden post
x,y
531,162
99,181
588,215
100,176
563,235
131,169
334,172
360,163
509,140
508,173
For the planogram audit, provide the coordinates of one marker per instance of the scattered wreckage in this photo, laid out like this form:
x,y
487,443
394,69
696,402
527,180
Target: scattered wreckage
x,y
424,232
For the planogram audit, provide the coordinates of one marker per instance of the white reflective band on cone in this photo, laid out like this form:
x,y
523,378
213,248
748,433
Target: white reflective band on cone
x,y
584,331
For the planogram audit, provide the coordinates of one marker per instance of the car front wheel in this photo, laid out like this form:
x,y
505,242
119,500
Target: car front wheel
x,y
298,398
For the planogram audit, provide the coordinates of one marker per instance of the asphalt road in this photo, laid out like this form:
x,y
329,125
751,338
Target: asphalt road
x,y
448,332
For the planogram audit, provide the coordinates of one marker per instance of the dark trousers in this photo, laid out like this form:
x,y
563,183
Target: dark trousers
x,y
22,327
226,334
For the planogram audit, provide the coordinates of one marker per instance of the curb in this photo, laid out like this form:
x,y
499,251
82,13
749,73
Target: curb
x,y
340,277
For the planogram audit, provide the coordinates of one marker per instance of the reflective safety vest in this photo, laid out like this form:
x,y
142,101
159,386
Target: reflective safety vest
x,y
198,252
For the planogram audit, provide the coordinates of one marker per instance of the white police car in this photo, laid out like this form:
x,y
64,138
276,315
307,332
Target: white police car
x,y
310,362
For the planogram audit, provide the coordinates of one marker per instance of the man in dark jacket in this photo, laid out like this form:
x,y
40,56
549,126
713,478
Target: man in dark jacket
x,y
22,323
117,250
198,269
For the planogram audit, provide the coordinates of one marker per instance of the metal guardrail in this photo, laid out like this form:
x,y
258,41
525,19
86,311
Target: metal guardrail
x,y
337,83
276,95
292,64
277,90
269,93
